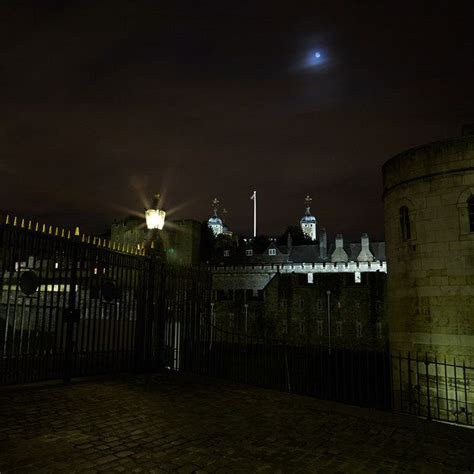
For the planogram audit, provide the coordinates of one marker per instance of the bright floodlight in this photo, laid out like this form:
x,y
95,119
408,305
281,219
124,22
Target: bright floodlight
x,y
155,218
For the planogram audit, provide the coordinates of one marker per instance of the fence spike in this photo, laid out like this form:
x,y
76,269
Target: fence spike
x,y
68,233
56,232
88,239
37,227
14,221
77,233
22,225
30,225
43,229
62,232
50,231
7,219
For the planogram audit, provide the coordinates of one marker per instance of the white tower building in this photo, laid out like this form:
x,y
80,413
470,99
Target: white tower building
x,y
215,222
308,221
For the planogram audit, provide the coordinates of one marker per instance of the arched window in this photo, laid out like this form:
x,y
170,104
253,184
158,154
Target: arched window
x,y
405,223
470,206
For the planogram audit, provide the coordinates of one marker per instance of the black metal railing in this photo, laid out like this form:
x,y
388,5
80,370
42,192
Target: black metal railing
x,y
422,386
436,389
72,305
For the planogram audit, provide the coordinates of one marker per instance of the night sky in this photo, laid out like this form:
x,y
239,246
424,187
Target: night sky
x,y
105,102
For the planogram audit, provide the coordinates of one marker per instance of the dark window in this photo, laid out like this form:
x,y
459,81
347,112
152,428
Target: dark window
x,y
405,223
470,204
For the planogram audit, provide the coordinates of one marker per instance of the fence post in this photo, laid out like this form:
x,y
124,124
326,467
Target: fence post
x,y
141,315
428,385
71,314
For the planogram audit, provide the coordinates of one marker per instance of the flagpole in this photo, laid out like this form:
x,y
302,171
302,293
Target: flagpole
x,y
255,213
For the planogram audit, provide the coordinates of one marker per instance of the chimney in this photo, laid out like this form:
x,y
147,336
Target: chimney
x,y
339,254
365,254
323,244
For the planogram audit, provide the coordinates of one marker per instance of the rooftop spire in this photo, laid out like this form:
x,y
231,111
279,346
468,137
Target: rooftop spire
x,y
308,201
215,205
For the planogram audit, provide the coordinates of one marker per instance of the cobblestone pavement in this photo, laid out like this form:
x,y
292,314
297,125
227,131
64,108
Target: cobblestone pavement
x,y
170,423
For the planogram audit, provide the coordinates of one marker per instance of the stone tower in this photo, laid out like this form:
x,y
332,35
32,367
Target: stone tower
x,y
308,221
215,222
429,230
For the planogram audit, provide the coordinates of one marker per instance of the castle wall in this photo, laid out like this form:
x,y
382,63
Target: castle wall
x,y
431,278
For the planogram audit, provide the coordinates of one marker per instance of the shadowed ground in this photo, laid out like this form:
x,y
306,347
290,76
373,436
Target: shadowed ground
x,y
184,424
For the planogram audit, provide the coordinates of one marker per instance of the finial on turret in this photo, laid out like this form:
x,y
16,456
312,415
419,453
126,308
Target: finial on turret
x,y
308,201
215,205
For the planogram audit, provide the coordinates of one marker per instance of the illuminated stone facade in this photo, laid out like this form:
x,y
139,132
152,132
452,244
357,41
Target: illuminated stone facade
x,y
298,309
430,248
255,283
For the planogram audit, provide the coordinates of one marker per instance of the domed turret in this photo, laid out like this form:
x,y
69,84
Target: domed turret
x,y
308,221
215,222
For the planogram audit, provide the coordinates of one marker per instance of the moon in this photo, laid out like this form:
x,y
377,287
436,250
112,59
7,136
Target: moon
x,y
317,54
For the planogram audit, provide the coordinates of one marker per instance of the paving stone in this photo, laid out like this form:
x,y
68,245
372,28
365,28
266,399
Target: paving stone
x,y
189,424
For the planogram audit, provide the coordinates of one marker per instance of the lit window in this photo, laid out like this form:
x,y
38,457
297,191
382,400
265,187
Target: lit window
x,y
470,204
358,329
357,277
310,278
405,223
226,253
339,328
249,253
272,252
319,327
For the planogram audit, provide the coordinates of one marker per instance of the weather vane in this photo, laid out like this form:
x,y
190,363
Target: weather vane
x,y
308,201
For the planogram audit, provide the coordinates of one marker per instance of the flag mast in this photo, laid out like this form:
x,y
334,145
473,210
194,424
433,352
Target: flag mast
x,y
254,198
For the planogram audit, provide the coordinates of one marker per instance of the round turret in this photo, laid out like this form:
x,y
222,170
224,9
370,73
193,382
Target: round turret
x,y
308,221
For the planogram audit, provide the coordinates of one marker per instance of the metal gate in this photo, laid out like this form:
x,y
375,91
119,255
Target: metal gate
x,y
73,305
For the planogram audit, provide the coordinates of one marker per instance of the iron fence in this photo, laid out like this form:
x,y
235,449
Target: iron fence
x,y
73,305
436,389
422,386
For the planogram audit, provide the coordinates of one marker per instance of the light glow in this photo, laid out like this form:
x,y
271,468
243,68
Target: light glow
x,y
155,218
